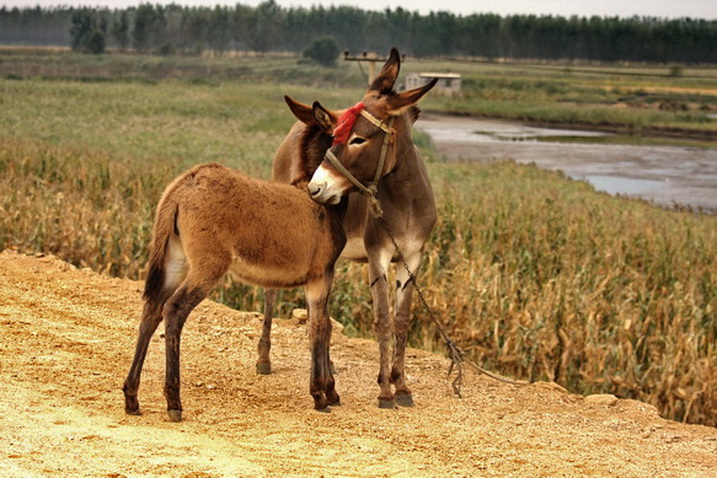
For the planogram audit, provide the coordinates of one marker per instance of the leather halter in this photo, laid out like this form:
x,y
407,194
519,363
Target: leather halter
x,y
389,138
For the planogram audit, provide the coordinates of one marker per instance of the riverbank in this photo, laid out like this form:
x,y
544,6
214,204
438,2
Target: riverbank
x,y
615,133
666,175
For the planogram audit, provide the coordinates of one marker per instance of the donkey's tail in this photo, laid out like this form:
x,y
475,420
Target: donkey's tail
x,y
164,227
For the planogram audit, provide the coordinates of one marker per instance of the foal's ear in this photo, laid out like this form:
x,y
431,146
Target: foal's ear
x,y
383,84
400,103
303,112
324,118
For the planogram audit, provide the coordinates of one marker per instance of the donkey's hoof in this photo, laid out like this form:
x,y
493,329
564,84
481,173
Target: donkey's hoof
x,y
404,399
263,368
134,411
175,415
387,403
333,399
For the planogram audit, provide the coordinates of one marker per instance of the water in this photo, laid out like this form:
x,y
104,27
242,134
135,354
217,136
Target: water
x,y
622,185
664,175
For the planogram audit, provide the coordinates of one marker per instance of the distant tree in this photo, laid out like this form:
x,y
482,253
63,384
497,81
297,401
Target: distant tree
x,y
86,32
120,30
219,32
323,50
266,26
150,27
94,43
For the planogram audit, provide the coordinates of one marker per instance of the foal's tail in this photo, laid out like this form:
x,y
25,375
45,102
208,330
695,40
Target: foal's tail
x,y
164,227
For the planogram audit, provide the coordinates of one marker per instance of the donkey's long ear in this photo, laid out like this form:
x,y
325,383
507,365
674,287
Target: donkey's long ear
x,y
398,104
324,118
383,84
303,113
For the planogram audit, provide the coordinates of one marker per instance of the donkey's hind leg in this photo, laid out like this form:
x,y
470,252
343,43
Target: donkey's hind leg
x,y
191,292
263,364
151,317
321,385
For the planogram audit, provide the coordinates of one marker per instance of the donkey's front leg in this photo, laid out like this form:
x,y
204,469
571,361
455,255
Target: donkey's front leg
x,y
402,322
383,327
321,382
263,364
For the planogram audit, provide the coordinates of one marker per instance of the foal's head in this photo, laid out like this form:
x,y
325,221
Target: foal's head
x,y
368,138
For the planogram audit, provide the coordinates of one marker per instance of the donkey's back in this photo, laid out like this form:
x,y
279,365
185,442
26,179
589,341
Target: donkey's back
x,y
266,234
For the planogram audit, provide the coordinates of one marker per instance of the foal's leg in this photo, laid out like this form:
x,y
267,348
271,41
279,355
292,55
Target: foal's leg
x,y
263,365
151,317
378,265
404,292
321,383
190,293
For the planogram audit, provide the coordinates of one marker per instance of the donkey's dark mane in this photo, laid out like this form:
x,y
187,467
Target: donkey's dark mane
x,y
414,114
313,145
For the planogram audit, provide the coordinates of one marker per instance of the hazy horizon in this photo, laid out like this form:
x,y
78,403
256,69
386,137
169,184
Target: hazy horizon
x,y
698,9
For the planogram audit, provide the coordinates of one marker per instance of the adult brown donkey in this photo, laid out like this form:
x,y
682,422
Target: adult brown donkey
x,y
368,148
212,220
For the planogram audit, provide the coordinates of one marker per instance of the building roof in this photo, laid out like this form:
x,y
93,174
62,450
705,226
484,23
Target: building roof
x,y
439,75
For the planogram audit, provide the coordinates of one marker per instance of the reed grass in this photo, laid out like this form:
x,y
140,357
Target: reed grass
x,y
535,275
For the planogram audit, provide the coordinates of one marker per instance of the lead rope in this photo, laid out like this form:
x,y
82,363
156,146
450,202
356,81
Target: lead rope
x,y
455,353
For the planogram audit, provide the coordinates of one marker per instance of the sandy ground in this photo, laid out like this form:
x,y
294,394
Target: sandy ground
x,y
660,174
66,341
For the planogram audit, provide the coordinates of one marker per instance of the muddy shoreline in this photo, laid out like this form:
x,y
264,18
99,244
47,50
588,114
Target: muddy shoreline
x,y
617,129
668,176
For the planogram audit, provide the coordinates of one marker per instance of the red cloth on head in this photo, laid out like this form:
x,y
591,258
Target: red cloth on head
x,y
346,123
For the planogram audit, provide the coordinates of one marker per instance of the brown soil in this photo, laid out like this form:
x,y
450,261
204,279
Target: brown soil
x,y
67,338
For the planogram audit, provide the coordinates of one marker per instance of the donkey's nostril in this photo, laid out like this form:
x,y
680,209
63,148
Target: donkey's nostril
x,y
315,189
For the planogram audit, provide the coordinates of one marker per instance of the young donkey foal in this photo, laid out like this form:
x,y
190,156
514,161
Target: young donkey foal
x,y
212,220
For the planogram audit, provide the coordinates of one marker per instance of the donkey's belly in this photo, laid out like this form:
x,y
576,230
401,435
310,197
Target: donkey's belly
x,y
355,250
267,276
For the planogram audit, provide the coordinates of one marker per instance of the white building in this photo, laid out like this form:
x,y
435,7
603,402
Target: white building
x,y
448,83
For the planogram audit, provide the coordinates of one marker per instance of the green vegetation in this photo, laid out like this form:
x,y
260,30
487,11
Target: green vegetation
x,y
642,101
535,275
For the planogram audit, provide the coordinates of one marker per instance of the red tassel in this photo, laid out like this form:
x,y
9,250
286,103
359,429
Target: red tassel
x,y
346,123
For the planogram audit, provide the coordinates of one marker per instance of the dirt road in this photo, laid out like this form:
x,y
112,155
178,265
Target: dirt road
x,y
66,340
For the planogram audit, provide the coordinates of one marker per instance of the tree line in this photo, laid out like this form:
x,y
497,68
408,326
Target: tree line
x,y
176,29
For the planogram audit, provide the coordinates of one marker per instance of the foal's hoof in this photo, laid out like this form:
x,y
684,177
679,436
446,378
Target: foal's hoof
x,y
175,415
134,412
404,399
386,403
263,368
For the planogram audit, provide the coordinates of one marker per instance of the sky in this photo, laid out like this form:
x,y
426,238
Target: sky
x,y
705,9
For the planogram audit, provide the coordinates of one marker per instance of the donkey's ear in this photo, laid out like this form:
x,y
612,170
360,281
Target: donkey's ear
x,y
400,103
303,113
324,118
383,84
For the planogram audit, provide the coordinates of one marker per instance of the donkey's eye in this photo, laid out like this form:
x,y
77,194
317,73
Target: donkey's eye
x,y
357,140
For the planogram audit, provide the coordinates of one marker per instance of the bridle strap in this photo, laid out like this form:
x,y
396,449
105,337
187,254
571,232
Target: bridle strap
x,y
342,169
388,129
388,138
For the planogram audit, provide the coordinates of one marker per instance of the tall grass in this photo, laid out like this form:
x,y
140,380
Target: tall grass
x,y
535,275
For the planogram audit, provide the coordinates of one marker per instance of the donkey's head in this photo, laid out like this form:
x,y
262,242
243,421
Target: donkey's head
x,y
368,138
